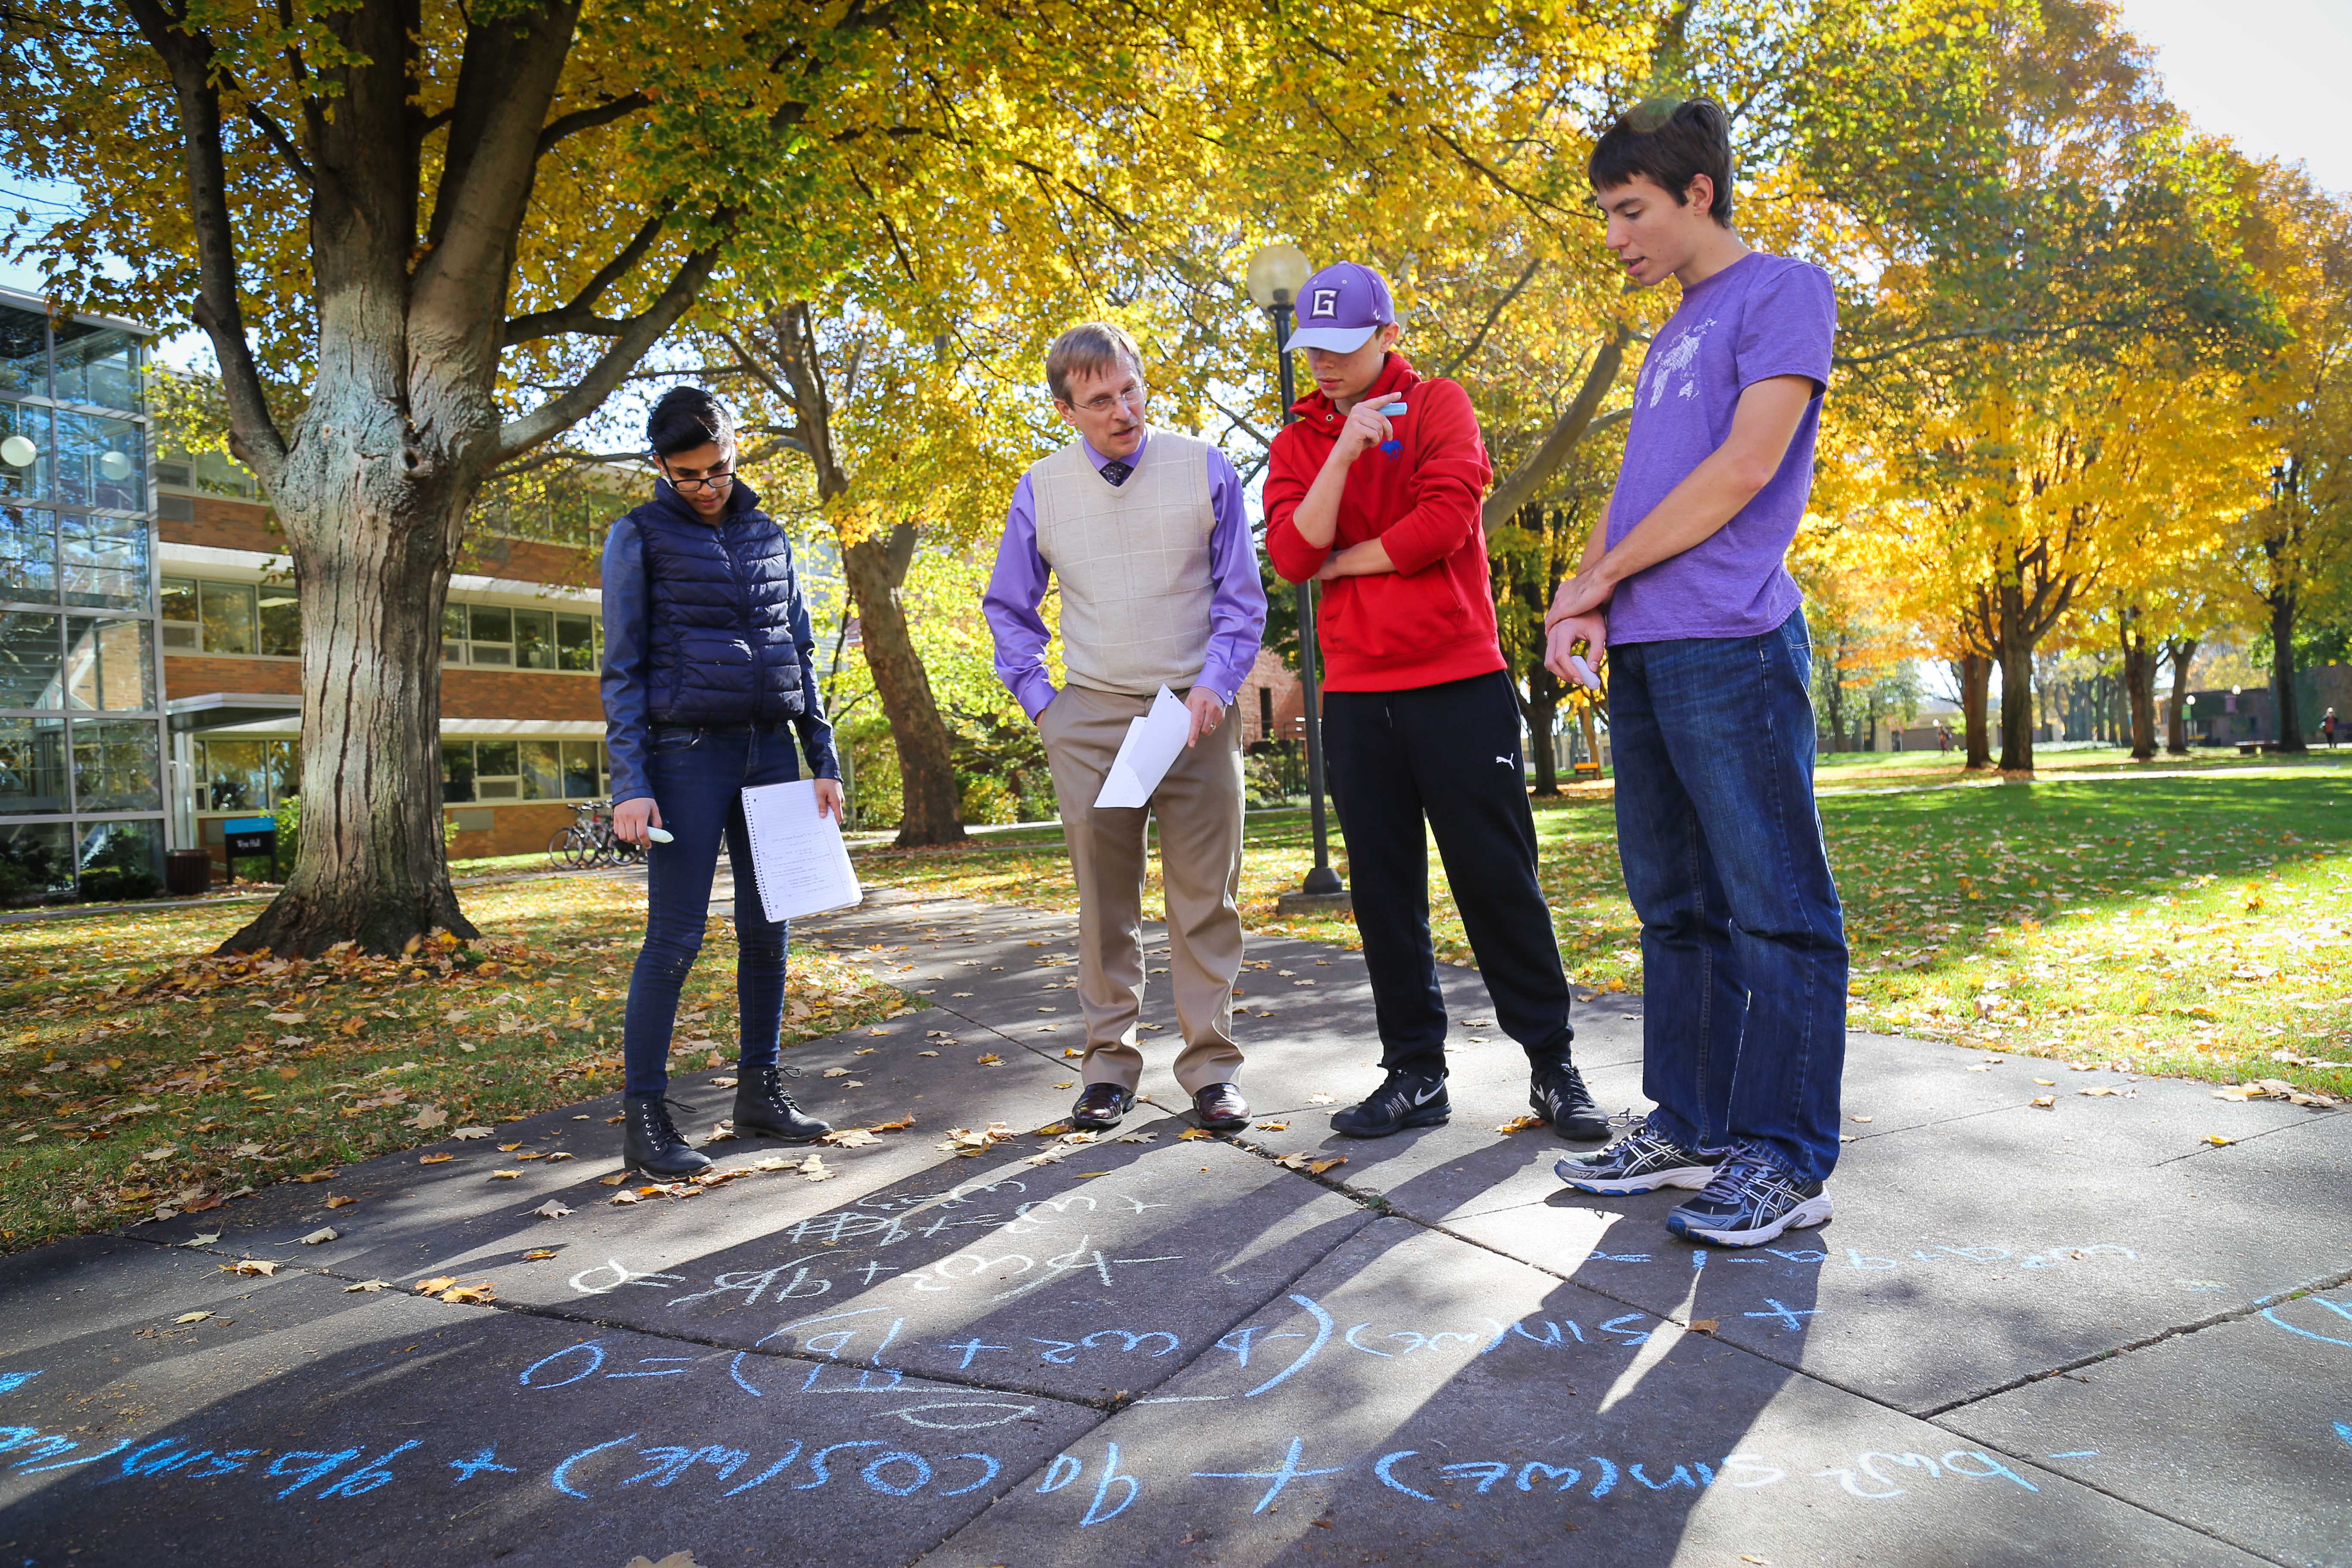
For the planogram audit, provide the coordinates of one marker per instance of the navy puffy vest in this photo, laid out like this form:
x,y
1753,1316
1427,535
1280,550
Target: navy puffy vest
x,y
719,616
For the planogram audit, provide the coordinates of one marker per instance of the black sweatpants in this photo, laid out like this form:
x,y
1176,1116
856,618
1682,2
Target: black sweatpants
x,y
1450,754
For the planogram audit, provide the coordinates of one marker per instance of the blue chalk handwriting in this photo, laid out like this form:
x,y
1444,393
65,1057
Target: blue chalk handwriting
x,y
1287,1472
10,1382
1068,1468
2340,1308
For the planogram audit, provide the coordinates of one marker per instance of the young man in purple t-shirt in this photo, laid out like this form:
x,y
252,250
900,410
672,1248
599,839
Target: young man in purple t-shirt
x,y
1683,586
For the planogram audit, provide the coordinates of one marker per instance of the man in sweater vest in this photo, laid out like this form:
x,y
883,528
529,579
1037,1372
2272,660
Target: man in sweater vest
x,y
1145,531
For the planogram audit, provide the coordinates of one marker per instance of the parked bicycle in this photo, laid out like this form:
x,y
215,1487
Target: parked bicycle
x,y
590,841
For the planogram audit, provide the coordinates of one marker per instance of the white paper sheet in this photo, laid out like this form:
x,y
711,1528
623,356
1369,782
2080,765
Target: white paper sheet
x,y
1153,744
797,856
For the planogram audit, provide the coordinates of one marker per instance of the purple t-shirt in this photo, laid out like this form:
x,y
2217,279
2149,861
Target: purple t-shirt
x,y
1761,317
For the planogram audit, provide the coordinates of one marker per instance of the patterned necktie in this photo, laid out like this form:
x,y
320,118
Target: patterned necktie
x,y
1117,471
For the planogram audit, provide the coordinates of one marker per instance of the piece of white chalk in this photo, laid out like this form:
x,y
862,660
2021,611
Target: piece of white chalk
x,y
1391,410
660,834
1583,671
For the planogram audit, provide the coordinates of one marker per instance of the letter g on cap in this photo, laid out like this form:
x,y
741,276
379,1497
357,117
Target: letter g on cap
x,y
1326,302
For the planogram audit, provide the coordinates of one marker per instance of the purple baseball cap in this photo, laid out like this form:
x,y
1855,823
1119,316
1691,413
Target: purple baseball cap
x,y
1342,307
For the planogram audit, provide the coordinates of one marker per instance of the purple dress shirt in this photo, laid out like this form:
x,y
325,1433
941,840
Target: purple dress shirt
x,y
1236,597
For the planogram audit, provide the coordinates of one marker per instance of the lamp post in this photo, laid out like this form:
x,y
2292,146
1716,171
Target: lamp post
x,y
1277,274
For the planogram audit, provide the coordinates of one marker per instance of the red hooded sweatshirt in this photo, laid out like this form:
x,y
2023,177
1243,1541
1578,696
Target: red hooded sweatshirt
x,y
1431,619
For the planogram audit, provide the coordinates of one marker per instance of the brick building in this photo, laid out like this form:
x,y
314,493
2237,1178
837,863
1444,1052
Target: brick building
x,y
521,724
151,634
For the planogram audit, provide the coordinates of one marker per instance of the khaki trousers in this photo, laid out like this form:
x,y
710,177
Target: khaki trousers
x,y
1198,807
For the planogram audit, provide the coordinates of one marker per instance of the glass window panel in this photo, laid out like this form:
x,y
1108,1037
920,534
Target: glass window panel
x,y
534,639
233,775
110,665
36,858
580,770
103,560
32,765
23,351
101,461
116,765
98,364
457,770
282,620
228,612
31,658
219,474
495,758
575,643
119,859
29,554
490,629
543,770
179,599
453,633
285,759
24,450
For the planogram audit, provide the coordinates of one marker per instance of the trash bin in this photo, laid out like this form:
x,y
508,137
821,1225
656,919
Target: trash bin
x,y
188,872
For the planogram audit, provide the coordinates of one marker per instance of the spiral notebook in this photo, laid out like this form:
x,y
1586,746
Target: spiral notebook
x,y
797,856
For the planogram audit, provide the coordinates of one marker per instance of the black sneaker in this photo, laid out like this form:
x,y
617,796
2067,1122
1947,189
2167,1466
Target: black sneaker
x,y
650,1141
1750,1201
1640,1161
1406,1100
1099,1106
1557,1093
762,1109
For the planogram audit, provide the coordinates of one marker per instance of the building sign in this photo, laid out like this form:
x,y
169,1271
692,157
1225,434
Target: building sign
x,y
250,834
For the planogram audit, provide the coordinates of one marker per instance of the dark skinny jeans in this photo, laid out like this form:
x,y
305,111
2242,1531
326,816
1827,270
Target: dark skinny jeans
x,y
697,778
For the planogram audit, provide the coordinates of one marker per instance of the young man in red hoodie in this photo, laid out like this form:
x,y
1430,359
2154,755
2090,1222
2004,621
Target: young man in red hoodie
x,y
1375,492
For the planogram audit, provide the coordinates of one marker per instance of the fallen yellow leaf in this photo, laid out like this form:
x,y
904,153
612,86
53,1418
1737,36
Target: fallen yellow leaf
x,y
504,1175
434,1287
1520,1124
539,1254
192,1317
2045,1100
2218,1141
436,1159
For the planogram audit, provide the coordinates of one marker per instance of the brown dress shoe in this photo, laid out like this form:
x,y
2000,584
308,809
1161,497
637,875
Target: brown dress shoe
x,y
1221,1107
1099,1106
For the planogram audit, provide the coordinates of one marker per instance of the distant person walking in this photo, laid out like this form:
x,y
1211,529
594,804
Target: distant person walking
x,y
1147,533
709,677
1683,585
2327,729
1375,490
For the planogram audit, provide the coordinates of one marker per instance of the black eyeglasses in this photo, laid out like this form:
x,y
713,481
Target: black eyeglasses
x,y
711,481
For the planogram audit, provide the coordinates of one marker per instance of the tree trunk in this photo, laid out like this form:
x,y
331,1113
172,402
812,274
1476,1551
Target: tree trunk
x,y
1976,696
2139,689
1588,718
1834,703
931,810
2289,715
1541,707
2016,684
373,560
2182,652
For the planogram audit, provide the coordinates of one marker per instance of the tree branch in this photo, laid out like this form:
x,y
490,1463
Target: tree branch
x,y
1478,338
580,314
254,436
1522,483
643,330
580,120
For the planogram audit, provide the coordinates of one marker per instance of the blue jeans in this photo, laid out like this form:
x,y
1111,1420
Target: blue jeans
x,y
1743,939
698,781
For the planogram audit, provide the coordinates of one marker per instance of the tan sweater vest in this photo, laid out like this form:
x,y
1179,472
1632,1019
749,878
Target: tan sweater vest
x,y
1133,563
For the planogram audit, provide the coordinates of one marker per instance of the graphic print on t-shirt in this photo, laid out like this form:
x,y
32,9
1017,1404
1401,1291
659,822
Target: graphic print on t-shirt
x,y
1678,360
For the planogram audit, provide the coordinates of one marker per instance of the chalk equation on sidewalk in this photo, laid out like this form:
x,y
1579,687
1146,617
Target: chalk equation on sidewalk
x,y
2335,1329
1102,1482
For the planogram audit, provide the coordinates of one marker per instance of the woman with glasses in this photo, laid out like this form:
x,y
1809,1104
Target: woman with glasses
x,y
710,678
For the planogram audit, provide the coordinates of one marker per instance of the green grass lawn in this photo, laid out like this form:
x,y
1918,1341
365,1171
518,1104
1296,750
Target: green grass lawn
x,y
145,1079
2188,918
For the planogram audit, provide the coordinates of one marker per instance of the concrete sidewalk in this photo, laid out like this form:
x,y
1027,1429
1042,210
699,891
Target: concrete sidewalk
x,y
2082,1334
